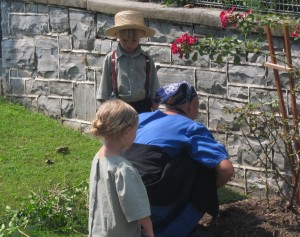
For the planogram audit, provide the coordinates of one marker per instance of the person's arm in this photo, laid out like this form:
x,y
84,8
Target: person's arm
x,y
147,226
224,172
105,84
154,84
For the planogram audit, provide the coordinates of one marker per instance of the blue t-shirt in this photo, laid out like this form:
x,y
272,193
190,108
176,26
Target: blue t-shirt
x,y
174,133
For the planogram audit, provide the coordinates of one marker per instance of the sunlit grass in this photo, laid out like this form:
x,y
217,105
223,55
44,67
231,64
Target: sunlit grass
x,y
27,140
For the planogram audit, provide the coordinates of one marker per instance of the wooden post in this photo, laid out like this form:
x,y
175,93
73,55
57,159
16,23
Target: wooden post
x,y
296,179
294,153
277,79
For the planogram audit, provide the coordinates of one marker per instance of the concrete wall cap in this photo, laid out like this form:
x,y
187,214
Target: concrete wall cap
x,y
154,11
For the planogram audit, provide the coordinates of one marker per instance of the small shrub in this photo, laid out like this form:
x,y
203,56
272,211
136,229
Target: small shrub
x,y
59,210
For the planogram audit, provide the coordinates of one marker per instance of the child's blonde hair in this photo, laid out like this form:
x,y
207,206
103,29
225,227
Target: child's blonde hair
x,y
113,118
131,34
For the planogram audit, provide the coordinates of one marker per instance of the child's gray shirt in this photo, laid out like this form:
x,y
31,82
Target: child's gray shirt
x,y
118,198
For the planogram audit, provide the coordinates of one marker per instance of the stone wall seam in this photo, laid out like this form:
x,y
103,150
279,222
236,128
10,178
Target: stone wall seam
x,y
247,167
59,97
22,96
77,120
84,82
234,99
28,14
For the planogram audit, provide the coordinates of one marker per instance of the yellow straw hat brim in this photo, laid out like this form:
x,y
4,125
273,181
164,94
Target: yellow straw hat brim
x,y
126,20
148,32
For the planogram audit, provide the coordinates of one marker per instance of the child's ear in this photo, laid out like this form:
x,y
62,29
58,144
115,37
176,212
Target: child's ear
x,y
127,130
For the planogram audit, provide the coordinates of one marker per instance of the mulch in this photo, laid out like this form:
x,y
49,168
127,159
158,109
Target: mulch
x,y
255,218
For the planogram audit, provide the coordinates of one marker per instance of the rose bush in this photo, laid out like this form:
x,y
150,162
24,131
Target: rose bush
x,y
252,117
239,45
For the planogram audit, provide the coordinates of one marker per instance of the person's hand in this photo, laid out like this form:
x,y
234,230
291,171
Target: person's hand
x,y
147,230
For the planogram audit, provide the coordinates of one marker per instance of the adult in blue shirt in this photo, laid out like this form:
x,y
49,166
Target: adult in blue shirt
x,y
180,162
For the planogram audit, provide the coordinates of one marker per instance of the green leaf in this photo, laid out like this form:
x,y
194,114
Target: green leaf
x,y
195,57
236,59
219,59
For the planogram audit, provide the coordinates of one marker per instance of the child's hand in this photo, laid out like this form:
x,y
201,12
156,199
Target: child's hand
x,y
147,230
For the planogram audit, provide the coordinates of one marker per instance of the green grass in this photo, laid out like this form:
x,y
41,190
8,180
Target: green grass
x,y
27,139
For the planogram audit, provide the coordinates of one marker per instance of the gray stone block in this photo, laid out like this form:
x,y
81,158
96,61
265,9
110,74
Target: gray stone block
x,y
86,129
219,136
49,106
47,57
170,75
67,108
31,8
238,92
283,78
72,66
4,18
22,73
166,32
85,101
5,82
58,88
97,46
72,124
106,46
264,97
207,31
17,6
94,60
41,8
218,116
90,75
18,53
233,144
29,24
244,74
211,82
17,86
83,30
65,42
202,61
159,53
98,75
59,19
103,23
36,87
28,102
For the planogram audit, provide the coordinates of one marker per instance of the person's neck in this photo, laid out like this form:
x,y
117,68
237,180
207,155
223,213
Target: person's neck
x,y
175,111
110,149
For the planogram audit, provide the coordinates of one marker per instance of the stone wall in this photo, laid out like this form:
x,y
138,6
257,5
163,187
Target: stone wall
x,y
52,53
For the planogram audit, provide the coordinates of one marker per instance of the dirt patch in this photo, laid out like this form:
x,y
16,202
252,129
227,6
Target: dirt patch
x,y
253,218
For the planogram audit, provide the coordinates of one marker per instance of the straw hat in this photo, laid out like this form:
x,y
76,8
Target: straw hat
x,y
129,20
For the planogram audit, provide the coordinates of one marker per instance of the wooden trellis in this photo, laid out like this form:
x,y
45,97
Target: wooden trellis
x,y
293,148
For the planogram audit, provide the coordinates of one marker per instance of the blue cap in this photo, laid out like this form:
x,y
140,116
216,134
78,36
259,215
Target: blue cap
x,y
175,94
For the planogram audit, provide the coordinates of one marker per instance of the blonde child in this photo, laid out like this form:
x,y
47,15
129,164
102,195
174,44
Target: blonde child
x,y
119,204
128,72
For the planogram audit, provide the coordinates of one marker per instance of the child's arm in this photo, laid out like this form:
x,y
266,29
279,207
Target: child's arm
x,y
147,226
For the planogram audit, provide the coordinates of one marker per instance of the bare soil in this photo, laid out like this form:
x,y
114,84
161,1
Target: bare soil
x,y
255,218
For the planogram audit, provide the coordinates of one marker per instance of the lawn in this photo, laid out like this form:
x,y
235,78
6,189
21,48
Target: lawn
x,y
27,140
